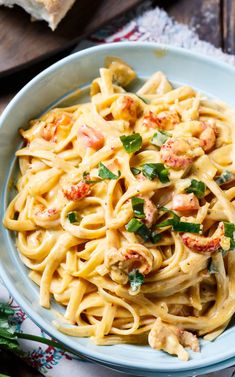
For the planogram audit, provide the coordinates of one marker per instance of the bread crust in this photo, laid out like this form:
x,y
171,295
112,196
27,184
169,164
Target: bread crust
x,y
52,11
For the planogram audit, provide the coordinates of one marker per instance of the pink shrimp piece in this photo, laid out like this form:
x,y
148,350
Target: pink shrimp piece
x,y
179,153
165,120
47,213
137,259
49,131
208,135
77,192
185,202
90,137
125,108
202,244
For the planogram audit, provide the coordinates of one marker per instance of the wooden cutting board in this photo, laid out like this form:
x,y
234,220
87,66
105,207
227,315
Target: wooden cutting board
x,y
23,42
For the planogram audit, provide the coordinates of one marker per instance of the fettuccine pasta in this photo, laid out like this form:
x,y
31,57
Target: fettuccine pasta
x,y
124,213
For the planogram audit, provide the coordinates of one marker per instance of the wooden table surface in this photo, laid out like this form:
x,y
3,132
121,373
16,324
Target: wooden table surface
x,y
214,21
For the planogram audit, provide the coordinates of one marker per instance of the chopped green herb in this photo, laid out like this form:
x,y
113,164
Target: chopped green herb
x,y
9,336
86,180
229,231
179,226
138,207
136,279
135,171
160,137
132,143
154,170
138,227
105,173
226,176
182,226
73,217
197,187
133,225
145,233
156,237
211,267
142,99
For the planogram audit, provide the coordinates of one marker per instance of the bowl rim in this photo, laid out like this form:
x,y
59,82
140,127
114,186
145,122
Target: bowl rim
x,y
91,354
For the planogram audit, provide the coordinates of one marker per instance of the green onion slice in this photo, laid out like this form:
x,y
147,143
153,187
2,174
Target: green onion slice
x,y
226,176
138,227
73,217
229,231
177,225
133,225
154,170
138,207
160,137
105,173
211,267
135,171
197,187
142,99
132,143
136,279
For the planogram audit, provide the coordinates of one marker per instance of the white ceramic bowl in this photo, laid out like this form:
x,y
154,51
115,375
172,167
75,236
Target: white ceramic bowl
x,y
52,85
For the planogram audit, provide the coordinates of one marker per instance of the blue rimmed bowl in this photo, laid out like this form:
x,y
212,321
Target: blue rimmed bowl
x,y
59,84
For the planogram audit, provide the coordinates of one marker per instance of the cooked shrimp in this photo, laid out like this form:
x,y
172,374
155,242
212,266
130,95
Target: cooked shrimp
x,y
46,217
125,108
203,244
51,128
179,153
185,202
90,137
124,260
165,120
205,131
171,339
208,135
47,213
76,192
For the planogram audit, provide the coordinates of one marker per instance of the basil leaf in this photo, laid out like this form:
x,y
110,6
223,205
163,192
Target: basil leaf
x,y
154,170
160,137
105,173
138,207
133,225
229,231
136,279
132,143
135,171
226,176
197,187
